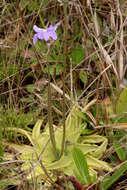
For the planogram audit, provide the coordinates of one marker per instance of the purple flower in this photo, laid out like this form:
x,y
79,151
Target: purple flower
x,y
45,34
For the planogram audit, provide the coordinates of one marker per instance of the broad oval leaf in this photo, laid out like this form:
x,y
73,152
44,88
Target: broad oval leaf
x,y
81,165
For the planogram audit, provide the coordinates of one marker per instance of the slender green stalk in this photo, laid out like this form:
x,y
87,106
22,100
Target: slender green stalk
x,y
51,131
63,79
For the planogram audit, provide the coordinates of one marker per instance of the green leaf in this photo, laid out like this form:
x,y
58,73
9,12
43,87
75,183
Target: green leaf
x,y
78,177
23,4
86,131
81,165
109,180
121,105
120,151
33,6
83,76
30,88
78,54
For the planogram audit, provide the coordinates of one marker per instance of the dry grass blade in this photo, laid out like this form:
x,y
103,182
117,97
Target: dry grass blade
x,y
120,57
112,19
106,56
96,25
94,81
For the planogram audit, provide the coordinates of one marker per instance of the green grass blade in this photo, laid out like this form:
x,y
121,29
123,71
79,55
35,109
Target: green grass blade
x,y
120,151
109,180
81,165
1,147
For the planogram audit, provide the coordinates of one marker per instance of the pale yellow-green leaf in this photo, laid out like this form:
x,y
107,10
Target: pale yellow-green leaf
x,y
63,162
98,153
8,156
97,164
73,125
42,140
86,107
87,148
100,150
94,139
93,173
18,148
23,132
36,130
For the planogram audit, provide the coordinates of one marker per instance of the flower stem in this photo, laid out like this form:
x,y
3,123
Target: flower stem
x,y
51,131
63,79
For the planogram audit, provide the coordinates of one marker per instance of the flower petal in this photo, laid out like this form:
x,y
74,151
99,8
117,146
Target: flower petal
x,y
37,29
56,25
35,38
40,35
46,36
50,28
53,35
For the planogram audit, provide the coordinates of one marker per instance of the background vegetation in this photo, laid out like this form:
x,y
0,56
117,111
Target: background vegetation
x,y
87,69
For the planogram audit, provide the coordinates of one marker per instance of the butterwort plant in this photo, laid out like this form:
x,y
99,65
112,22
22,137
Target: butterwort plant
x,y
46,34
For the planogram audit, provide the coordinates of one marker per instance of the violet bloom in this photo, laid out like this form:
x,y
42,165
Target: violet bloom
x,y
45,34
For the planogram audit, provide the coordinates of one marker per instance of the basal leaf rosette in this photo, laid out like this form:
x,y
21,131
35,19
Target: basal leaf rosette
x,y
92,146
